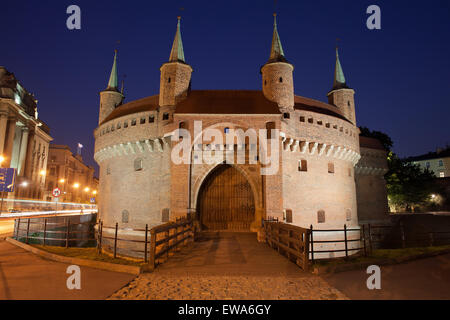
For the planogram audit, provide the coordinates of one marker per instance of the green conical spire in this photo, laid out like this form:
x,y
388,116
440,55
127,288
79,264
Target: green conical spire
x,y
112,84
276,51
177,53
339,78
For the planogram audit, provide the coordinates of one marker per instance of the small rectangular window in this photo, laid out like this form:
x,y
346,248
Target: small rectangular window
x,y
335,126
302,119
441,163
165,116
311,120
288,216
302,165
286,115
349,172
119,126
327,125
330,167
319,122
441,174
133,122
125,124
151,119
142,120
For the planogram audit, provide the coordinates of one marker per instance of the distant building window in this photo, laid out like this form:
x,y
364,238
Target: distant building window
x,y
125,124
341,129
165,116
226,130
281,79
319,122
112,128
151,119
348,103
302,165
311,120
441,174
320,216
302,119
441,163
330,167
138,164
142,120
335,126
265,82
125,216
348,215
327,125
118,126
133,122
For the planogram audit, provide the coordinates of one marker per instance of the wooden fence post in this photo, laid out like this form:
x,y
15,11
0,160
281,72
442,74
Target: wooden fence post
x,y
28,229
312,243
345,239
67,232
115,240
152,249
45,229
145,253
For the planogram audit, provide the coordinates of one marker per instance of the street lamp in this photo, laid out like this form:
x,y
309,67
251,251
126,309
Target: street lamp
x,y
2,158
42,172
62,180
86,189
76,185
94,192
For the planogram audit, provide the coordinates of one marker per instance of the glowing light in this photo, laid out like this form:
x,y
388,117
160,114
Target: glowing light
x,y
86,189
62,180
24,184
94,192
2,158
76,185
433,196
42,172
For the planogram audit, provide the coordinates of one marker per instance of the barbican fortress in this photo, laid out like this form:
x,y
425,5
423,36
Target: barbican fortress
x,y
327,174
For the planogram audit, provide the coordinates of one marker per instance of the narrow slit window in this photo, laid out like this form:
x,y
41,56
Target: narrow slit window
x,y
302,165
151,119
165,116
330,167
320,216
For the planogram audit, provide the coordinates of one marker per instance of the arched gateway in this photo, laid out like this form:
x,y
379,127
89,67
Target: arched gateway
x,y
225,200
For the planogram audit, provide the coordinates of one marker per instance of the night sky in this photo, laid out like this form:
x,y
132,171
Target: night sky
x,y
401,73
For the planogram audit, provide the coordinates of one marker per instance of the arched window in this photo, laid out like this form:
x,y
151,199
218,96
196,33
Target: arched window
x,y
138,164
320,216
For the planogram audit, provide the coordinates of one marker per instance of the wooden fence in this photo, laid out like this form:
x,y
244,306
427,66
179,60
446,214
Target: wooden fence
x,y
158,241
289,240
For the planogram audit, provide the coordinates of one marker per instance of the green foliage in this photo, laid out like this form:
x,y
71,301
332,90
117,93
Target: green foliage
x,y
385,140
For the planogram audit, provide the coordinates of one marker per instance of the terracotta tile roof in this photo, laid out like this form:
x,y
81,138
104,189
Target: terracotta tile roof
x,y
224,102
227,102
144,104
371,143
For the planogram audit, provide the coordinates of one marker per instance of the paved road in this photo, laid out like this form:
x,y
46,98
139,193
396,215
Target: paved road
x,y
26,276
228,266
6,227
421,279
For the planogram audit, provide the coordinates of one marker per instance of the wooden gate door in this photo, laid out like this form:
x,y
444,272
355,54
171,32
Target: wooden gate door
x,y
225,200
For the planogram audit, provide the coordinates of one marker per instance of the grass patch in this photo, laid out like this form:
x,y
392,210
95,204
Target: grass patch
x,y
382,254
87,253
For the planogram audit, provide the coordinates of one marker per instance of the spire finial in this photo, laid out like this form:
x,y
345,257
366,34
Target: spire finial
x,y
112,83
276,51
177,52
339,78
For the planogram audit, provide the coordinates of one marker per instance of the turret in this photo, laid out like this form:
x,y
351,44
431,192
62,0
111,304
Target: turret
x,y
277,81
341,95
175,74
110,98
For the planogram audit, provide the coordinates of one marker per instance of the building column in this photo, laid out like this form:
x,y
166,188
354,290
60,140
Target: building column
x,y
23,152
3,123
9,143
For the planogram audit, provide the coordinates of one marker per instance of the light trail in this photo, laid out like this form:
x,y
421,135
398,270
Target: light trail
x,y
41,213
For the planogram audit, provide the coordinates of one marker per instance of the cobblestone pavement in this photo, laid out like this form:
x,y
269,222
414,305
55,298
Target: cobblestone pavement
x,y
229,266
